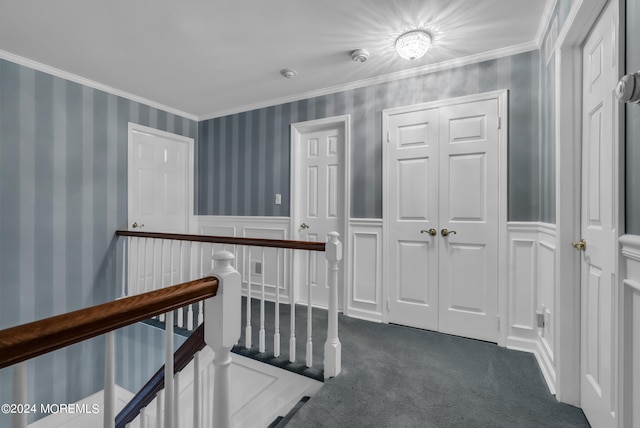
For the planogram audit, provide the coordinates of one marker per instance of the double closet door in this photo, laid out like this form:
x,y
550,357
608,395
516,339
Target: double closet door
x,y
441,215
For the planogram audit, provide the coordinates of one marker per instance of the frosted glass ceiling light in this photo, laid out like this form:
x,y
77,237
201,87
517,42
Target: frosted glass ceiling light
x,y
413,44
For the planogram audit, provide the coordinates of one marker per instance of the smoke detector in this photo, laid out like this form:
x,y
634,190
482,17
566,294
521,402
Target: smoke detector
x,y
288,73
360,55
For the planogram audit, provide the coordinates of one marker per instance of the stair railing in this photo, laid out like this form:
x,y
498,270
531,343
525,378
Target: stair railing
x,y
154,259
221,293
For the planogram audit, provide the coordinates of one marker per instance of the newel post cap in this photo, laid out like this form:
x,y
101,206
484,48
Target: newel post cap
x,y
333,248
222,312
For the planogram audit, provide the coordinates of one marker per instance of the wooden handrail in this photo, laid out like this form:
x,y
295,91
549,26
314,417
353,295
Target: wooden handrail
x,y
30,340
256,242
182,357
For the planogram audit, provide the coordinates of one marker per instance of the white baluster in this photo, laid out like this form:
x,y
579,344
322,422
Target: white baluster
x,y
333,347
126,250
276,334
162,283
20,393
144,270
190,310
154,280
134,285
176,400
247,329
292,323
171,258
309,359
143,418
109,381
261,333
168,372
196,390
202,270
222,330
159,409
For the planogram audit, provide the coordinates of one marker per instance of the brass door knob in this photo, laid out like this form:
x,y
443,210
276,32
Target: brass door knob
x,y
136,225
431,231
304,226
580,245
447,232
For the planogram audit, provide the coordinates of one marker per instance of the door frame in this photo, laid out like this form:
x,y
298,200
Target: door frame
x,y
582,17
190,160
297,129
503,132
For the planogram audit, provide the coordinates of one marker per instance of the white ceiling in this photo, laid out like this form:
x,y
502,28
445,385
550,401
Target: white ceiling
x,y
207,58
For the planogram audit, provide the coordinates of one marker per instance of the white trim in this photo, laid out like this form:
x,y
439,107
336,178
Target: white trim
x,y
35,65
503,236
630,246
535,347
545,21
431,68
297,129
582,16
244,219
132,127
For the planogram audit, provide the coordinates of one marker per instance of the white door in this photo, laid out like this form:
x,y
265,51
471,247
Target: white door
x,y
600,71
412,208
158,182
322,180
442,176
469,212
159,195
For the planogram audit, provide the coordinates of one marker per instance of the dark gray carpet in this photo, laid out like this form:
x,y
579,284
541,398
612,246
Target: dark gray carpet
x,y
397,376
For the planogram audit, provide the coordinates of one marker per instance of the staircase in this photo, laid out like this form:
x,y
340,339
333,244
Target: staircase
x,y
207,387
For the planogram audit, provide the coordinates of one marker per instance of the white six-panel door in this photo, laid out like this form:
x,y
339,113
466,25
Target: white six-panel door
x,y
412,159
469,206
600,72
322,178
442,173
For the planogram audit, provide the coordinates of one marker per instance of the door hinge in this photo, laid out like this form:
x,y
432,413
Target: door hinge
x,y
388,137
388,305
499,122
498,322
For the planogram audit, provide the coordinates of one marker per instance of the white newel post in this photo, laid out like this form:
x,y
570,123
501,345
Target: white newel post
x,y
333,347
222,331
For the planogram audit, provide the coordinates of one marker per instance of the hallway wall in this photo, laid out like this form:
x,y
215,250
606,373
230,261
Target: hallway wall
x,y
243,159
63,187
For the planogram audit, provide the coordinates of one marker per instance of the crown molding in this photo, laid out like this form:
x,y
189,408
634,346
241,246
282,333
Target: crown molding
x,y
90,83
431,68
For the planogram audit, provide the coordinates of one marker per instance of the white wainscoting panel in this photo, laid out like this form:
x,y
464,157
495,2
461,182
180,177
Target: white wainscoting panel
x,y
629,373
254,227
363,264
532,288
364,296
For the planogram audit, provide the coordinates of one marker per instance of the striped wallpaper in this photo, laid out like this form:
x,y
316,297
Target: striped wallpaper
x,y
63,193
243,159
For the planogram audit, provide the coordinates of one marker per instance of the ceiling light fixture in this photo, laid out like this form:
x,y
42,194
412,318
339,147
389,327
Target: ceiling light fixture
x,y
413,44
